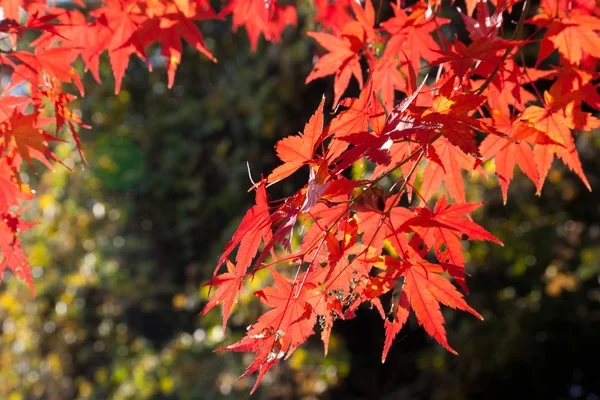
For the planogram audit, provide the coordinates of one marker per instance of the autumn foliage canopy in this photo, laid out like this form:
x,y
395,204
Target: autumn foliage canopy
x,y
430,111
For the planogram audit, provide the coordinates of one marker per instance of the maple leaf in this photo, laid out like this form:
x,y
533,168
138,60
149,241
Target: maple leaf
x,y
392,328
343,59
279,331
116,26
484,25
228,287
12,190
29,141
556,120
13,257
570,31
375,228
254,227
507,86
444,165
411,34
450,111
296,151
508,153
333,15
56,62
63,114
10,8
485,50
168,22
355,118
442,228
259,16
425,291
387,77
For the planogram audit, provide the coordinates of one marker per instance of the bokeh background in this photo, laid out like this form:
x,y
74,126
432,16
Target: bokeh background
x,y
125,243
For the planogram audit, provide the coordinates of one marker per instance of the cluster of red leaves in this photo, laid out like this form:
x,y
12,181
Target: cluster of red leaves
x,y
358,239
64,35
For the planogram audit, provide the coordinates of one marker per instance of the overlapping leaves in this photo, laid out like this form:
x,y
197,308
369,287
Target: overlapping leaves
x,y
359,238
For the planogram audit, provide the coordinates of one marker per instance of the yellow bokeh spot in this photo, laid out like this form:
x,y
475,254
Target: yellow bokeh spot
x,y
108,164
85,389
297,359
179,301
166,385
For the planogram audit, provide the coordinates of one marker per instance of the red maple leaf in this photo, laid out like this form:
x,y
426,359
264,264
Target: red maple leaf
x,y
13,257
254,227
556,119
519,152
425,291
411,34
228,287
443,228
450,111
445,164
22,134
343,59
296,151
279,331
259,16
571,31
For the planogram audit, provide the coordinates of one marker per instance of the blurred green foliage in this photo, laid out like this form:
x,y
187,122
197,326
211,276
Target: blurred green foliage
x,y
125,243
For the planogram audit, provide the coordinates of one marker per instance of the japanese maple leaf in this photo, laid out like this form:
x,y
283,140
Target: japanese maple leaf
x,y
87,38
508,153
445,164
354,118
13,257
169,22
56,62
29,141
117,24
254,227
62,113
577,83
229,285
376,145
425,291
343,59
392,328
279,331
365,18
333,15
570,31
260,17
507,87
450,111
387,77
484,50
328,308
556,120
444,227
484,25
411,34
11,189
375,228
9,103
11,10
35,21
296,151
